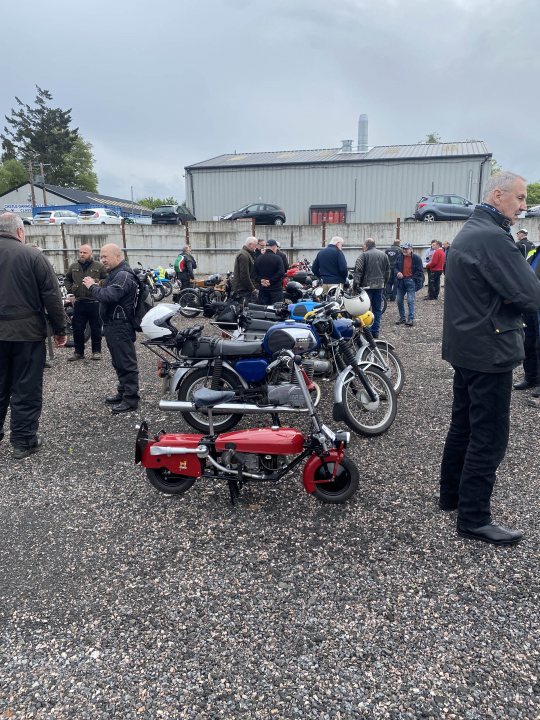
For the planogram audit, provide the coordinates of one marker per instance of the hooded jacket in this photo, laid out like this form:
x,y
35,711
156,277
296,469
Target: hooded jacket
x,y
29,292
488,286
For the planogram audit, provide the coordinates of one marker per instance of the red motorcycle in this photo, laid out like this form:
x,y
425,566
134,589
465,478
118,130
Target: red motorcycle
x,y
174,461
299,272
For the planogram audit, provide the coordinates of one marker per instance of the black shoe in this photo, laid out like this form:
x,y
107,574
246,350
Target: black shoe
x,y
492,533
21,453
400,321
113,399
524,385
375,336
410,323
536,393
122,407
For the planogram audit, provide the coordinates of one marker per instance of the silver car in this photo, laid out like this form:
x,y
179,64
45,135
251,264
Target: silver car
x,y
443,207
55,217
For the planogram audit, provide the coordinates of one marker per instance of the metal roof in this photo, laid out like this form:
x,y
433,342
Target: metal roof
x,y
333,155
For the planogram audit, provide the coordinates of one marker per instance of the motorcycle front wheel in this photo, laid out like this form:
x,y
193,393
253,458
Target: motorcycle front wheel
x,y
359,412
395,372
158,293
342,488
164,481
189,302
202,378
167,288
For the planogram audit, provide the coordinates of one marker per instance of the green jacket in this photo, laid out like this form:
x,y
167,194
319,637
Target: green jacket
x,y
77,271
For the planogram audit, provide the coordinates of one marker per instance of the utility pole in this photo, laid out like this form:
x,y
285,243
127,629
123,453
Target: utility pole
x,y
43,181
32,183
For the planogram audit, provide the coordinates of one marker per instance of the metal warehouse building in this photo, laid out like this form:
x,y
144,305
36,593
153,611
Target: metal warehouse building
x,y
338,185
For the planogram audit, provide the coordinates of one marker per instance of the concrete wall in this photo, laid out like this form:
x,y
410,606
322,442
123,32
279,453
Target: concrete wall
x,y
215,244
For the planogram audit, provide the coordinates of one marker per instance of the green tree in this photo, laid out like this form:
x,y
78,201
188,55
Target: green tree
x,y
12,173
42,134
432,138
495,167
78,167
533,193
152,202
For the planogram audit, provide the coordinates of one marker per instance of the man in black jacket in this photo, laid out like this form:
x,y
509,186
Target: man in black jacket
x,y
488,285
23,329
117,300
523,243
270,272
86,308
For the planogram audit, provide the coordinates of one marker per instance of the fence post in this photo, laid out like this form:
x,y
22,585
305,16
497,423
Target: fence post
x,y
398,229
324,233
123,227
64,246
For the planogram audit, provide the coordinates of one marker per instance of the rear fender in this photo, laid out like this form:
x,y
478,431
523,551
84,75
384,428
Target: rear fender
x,y
181,372
313,464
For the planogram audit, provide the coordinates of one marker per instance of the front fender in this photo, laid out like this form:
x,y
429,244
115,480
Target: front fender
x,y
339,388
314,462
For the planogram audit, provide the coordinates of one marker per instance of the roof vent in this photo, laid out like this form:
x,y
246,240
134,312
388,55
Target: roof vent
x,y
346,146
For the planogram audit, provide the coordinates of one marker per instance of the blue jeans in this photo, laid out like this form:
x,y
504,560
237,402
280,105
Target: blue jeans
x,y
376,304
406,288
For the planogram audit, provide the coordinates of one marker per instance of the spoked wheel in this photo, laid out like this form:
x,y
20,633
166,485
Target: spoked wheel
x,y
167,288
362,414
342,488
202,378
164,481
158,293
384,353
189,302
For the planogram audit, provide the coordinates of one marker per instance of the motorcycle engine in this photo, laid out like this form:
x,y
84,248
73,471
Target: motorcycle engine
x,y
286,394
252,462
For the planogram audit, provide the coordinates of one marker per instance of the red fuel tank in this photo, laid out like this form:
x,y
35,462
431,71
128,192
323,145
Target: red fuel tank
x,y
264,441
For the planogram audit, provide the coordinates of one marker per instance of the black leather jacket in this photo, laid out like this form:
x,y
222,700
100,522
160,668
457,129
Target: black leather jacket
x,y
117,296
488,286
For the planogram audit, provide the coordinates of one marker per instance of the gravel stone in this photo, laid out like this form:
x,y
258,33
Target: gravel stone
x,y
119,602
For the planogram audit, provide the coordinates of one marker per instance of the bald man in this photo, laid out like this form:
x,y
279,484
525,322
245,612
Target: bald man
x,y
86,308
117,300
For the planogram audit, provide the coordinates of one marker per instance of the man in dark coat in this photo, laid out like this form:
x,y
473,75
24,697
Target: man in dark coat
x,y
270,272
184,266
243,280
488,286
409,280
330,264
86,308
29,294
392,255
117,300
523,243
372,272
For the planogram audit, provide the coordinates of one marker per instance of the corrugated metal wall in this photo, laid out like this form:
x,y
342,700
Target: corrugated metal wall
x,y
376,192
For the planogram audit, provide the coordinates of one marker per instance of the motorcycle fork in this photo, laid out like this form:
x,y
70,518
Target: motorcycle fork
x,y
345,356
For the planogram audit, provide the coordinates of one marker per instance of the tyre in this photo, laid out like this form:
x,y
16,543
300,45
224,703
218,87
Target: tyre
x,y
164,481
167,288
202,377
396,373
384,304
189,299
429,217
362,415
158,293
278,221
342,488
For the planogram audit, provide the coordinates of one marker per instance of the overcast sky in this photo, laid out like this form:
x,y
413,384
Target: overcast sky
x,y
156,86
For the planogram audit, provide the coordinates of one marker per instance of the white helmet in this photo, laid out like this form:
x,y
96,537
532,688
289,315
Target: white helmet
x,y
357,305
155,324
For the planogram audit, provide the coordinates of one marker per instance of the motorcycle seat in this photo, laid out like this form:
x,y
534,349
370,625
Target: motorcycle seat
x,y
253,324
237,348
206,398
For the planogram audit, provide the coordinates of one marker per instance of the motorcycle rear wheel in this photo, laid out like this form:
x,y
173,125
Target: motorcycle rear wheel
x,y
359,413
342,488
200,378
164,481
189,299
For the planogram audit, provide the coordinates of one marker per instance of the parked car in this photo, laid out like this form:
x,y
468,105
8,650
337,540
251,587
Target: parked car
x,y
171,215
443,207
55,217
264,214
27,220
533,211
99,216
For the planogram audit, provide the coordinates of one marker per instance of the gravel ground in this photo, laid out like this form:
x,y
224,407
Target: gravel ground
x,y
119,602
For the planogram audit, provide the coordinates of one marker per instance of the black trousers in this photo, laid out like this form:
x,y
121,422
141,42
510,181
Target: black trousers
x,y
476,442
21,387
434,284
83,312
269,297
391,285
531,364
120,337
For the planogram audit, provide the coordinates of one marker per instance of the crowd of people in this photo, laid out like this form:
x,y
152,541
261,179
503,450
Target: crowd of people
x,y
492,291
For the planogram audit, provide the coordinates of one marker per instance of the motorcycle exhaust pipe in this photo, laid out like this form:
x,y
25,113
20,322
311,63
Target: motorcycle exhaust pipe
x,y
242,408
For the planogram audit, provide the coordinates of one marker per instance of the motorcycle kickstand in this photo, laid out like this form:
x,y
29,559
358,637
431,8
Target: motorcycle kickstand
x,y
275,420
235,485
